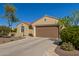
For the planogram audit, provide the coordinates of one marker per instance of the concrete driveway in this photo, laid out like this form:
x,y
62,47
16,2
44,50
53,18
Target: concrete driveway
x,y
30,46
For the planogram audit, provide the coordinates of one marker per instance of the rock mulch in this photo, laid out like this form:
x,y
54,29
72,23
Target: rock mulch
x,y
61,52
5,40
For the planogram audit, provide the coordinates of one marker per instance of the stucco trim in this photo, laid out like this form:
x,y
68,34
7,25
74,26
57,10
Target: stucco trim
x,y
49,25
34,30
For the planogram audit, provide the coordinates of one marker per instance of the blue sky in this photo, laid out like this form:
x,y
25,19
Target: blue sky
x,y
29,12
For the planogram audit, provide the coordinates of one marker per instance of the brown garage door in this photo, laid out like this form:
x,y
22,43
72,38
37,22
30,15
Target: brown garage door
x,y
47,31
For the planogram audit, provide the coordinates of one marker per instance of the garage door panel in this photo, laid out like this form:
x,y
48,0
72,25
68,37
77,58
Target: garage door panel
x,y
51,32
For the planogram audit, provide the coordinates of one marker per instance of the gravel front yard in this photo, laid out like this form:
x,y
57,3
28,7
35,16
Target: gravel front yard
x,y
61,52
9,39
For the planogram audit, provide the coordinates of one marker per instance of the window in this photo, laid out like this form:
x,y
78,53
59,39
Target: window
x,y
30,27
45,20
22,28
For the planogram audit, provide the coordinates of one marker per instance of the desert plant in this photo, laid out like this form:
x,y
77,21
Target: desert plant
x,y
4,30
71,34
67,46
64,22
31,35
14,30
11,40
75,17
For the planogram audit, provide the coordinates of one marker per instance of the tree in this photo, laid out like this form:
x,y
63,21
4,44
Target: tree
x,y
64,22
75,18
10,15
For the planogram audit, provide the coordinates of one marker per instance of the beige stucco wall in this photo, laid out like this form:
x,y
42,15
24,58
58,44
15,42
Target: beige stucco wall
x,y
26,32
49,21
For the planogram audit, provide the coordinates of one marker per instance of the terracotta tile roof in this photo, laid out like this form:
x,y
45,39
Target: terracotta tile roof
x,y
26,23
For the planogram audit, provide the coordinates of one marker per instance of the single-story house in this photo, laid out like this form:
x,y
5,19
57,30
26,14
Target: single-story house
x,y
44,27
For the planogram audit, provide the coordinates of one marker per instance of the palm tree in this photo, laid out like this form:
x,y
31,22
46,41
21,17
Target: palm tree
x,y
10,14
75,18
64,22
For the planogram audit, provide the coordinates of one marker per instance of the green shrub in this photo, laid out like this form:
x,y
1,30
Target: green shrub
x,y
31,35
4,30
71,34
12,40
14,30
67,46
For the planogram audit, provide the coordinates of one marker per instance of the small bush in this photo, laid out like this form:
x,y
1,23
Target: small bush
x,y
14,30
4,30
67,46
12,34
31,35
12,40
71,34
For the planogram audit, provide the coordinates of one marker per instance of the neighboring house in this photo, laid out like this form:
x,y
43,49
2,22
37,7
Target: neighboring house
x,y
43,27
23,29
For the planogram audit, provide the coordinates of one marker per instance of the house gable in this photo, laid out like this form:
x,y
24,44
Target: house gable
x,y
46,20
23,24
26,25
